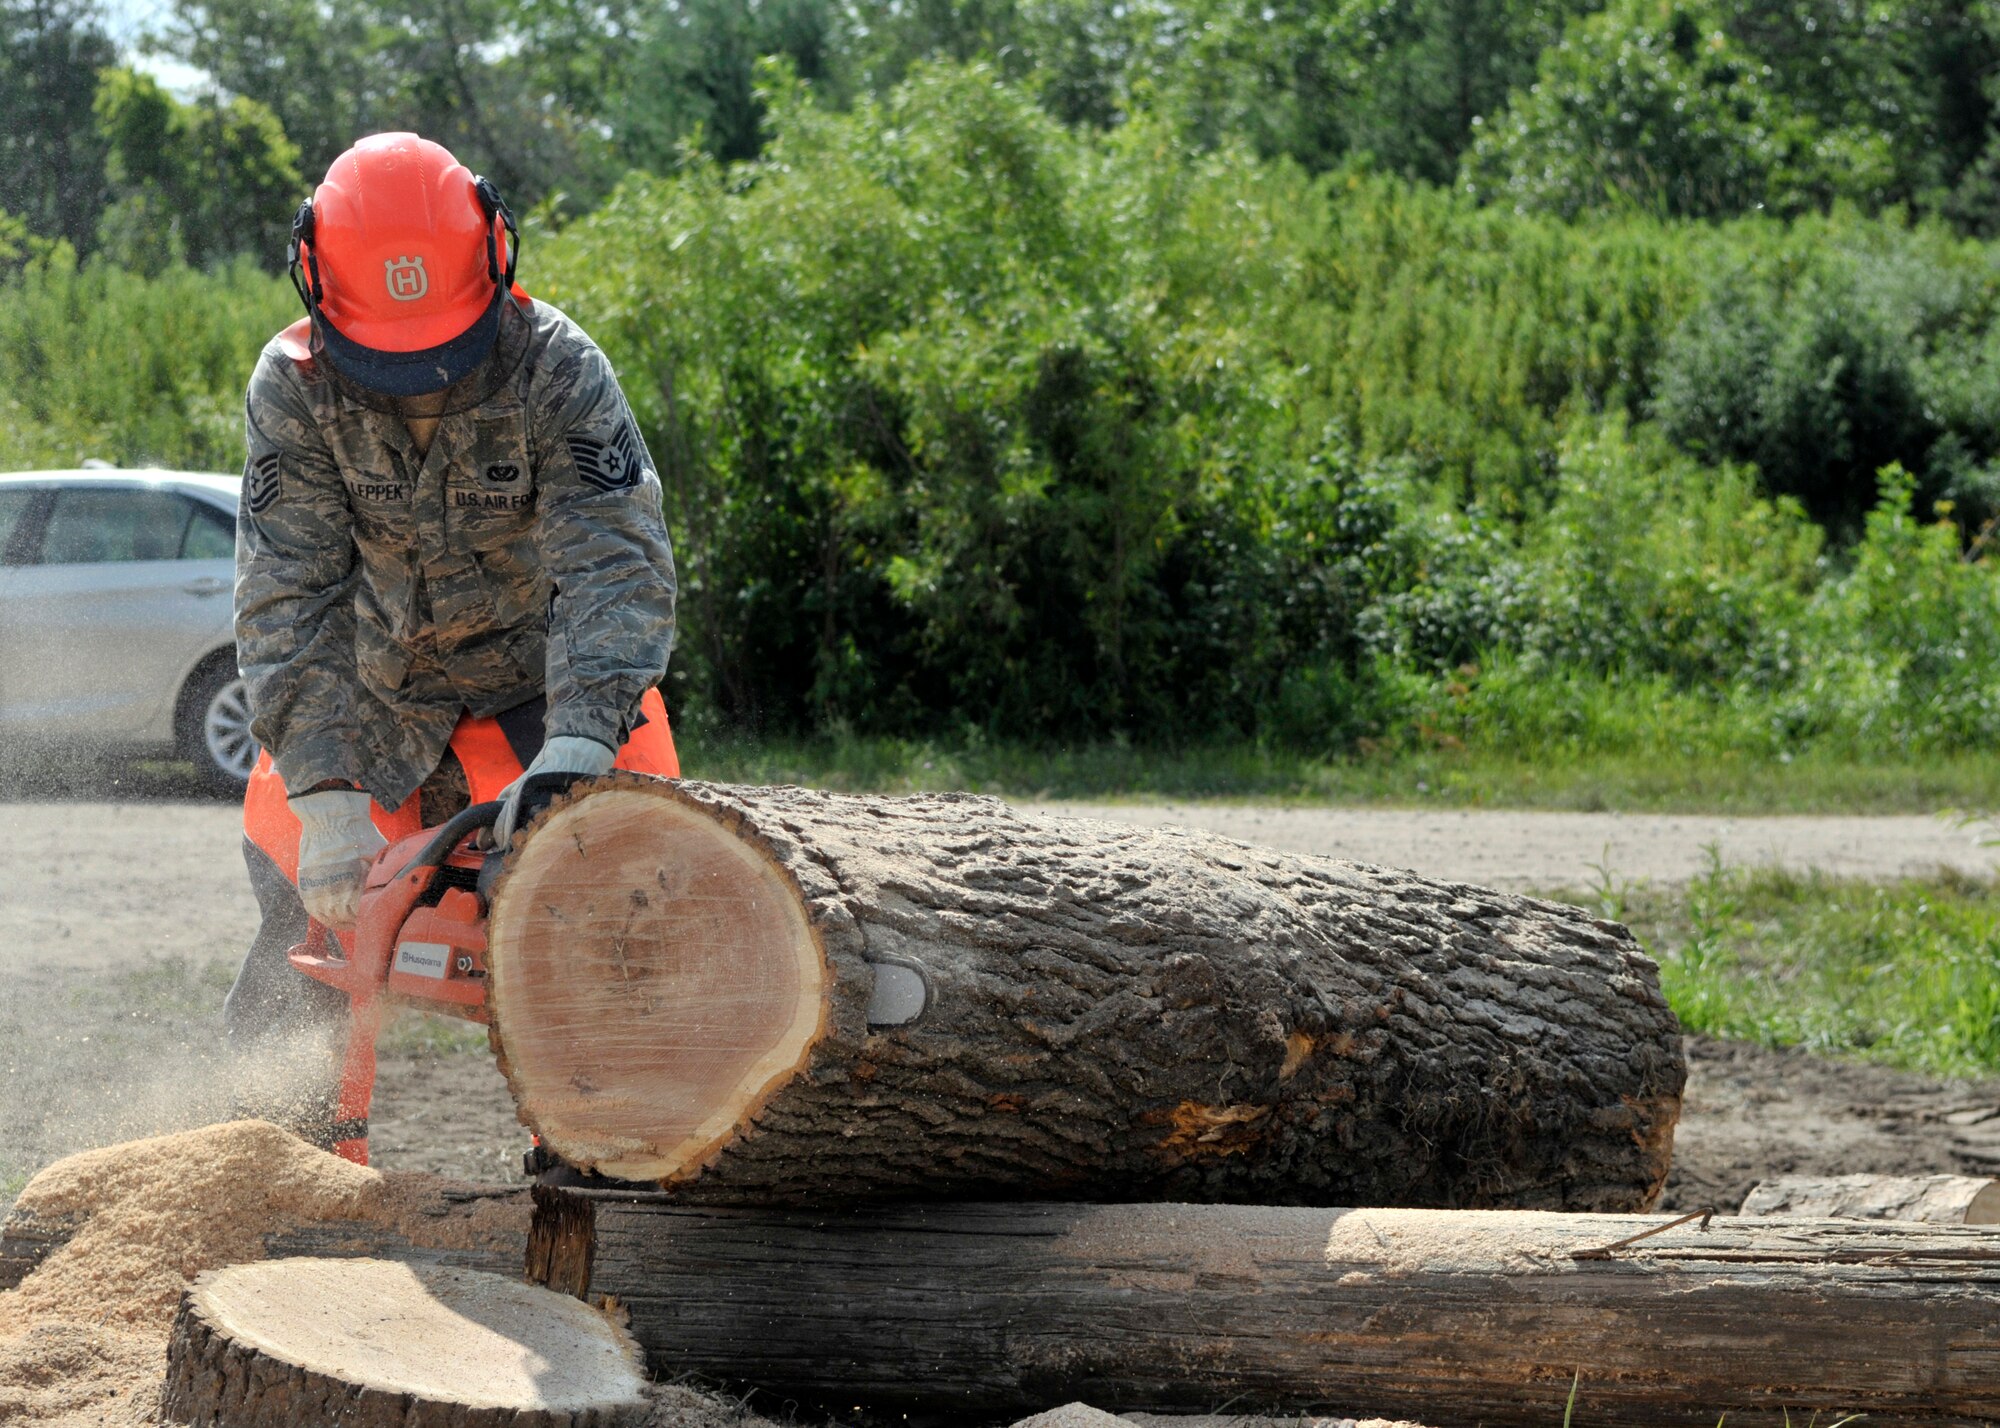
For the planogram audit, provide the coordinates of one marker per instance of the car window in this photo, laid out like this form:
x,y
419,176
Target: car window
x,y
14,504
112,524
211,535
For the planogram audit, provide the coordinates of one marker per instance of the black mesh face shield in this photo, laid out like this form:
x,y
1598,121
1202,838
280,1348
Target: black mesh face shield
x,y
506,348
413,374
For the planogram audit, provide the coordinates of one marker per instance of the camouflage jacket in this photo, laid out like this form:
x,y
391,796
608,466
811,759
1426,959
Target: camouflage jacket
x,y
379,593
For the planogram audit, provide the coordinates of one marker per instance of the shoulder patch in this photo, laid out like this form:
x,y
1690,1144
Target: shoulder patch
x,y
261,487
612,465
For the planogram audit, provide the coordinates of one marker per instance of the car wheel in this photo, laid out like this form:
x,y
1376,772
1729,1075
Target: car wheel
x,y
215,728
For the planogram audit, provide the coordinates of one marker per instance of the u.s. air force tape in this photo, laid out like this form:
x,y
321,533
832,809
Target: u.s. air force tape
x,y
261,487
612,465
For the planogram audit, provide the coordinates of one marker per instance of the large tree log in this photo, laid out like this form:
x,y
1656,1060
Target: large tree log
x,y
1933,1199
1454,1318
782,995
369,1344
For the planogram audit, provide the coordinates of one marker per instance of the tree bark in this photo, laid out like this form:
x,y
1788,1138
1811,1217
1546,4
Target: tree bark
x,y
369,1344
783,996
973,1312
1930,1199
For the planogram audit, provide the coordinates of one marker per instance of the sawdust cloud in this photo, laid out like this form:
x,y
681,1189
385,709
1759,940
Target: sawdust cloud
x,y
90,1059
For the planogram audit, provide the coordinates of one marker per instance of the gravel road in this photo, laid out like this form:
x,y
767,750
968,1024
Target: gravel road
x,y
91,885
1502,849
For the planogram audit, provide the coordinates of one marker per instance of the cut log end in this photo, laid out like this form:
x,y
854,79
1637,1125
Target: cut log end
x,y
367,1343
674,979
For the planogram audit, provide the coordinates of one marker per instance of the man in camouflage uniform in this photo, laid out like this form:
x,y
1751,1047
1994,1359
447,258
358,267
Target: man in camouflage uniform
x,y
449,524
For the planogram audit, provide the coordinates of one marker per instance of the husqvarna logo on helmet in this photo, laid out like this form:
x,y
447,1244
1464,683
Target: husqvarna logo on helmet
x,y
406,278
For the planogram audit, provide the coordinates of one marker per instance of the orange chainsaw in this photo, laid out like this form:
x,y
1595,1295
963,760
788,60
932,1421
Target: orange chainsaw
x,y
419,940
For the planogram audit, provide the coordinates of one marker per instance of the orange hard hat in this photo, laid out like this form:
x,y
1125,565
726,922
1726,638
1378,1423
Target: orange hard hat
x,y
403,257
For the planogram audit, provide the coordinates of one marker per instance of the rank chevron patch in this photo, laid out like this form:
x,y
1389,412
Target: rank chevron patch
x,y
613,465
262,487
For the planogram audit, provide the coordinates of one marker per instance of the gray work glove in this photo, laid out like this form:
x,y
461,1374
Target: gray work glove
x,y
566,753
336,844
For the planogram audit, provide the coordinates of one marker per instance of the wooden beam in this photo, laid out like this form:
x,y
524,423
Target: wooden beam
x,y
1450,1317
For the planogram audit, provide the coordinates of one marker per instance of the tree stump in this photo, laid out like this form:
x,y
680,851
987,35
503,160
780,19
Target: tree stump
x,y
370,1344
784,996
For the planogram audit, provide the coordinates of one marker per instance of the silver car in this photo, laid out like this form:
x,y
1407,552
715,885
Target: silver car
x,y
115,618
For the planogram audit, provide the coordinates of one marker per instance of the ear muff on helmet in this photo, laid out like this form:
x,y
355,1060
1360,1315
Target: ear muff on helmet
x,y
301,262
496,208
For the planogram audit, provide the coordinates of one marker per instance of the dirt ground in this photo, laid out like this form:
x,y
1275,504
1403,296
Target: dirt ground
x,y
120,924
1523,851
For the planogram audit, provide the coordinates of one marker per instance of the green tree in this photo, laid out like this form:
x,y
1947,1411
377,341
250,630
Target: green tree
x,y
1399,81
51,158
1083,57
198,182
452,70
659,76
1975,202
1912,70
1416,77
1658,104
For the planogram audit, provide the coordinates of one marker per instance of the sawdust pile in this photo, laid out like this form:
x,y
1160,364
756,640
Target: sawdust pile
x,y
83,1339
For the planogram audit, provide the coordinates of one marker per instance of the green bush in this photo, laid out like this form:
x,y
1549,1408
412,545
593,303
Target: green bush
x,y
99,362
975,423
1898,652
1834,349
967,420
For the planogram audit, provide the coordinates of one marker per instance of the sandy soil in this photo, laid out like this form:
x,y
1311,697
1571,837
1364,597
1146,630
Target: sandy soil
x,y
120,925
1572,850
99,885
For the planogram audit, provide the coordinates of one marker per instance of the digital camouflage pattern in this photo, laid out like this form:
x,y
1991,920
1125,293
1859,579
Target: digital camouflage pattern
x,y
378,593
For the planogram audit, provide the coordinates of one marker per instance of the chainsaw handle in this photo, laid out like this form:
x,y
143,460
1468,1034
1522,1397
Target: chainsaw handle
x,y
319,937
451,833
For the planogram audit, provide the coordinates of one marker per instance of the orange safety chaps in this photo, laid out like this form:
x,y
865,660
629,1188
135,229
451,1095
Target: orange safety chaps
x,y
493,750
286,1028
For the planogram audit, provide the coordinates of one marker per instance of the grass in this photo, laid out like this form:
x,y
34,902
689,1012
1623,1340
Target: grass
x,y
1687,781
1905,973
1648,783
